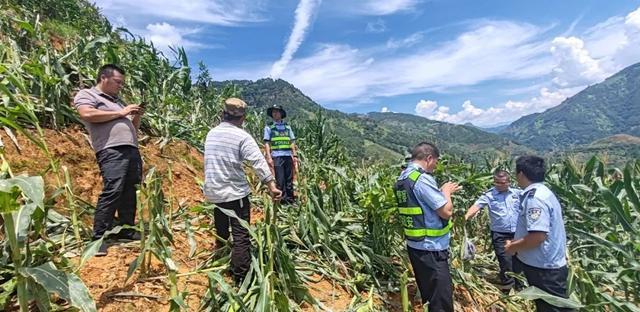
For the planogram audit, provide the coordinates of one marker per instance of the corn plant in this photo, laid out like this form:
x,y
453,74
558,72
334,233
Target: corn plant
x,y
157,243
34,274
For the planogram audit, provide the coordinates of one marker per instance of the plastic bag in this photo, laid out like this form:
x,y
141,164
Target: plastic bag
x,y
468,248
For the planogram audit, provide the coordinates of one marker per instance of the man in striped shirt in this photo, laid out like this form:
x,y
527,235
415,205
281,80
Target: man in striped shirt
x,y
226,148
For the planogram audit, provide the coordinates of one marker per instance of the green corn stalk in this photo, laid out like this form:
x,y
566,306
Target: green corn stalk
x,y
21,199
72,204
159,238
404,292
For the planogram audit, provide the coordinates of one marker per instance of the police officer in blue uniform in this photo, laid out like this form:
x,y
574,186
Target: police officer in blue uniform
x,y
540,241
504,207
425,212
281,152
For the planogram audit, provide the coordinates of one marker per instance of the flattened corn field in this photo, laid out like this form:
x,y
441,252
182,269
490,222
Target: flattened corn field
x,y
339,249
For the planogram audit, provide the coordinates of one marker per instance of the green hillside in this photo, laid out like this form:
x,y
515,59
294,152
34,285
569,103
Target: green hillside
x,y
616,149
601,110
377,135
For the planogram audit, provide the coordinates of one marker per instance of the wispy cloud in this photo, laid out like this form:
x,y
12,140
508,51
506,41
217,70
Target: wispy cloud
x,y
377,26
219,12
617,45
406,42
483,51
489,50
303,17
384,7
616,41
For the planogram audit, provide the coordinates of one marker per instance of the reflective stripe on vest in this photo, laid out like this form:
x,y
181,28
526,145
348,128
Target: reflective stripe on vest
x,y
428,232
411,214
280,139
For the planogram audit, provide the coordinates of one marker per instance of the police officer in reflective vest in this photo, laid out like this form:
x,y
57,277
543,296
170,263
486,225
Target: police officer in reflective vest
x,y
540,241
503,203
281,152
425,212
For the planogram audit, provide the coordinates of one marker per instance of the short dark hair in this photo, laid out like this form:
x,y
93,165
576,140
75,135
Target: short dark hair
x,y
499,173
532,167
107,70
423,150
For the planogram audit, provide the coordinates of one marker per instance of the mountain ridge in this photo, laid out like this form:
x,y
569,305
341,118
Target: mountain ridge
x,y
600,110
378,132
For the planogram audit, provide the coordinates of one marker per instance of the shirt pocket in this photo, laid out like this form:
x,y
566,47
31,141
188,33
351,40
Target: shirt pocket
x,y
498,205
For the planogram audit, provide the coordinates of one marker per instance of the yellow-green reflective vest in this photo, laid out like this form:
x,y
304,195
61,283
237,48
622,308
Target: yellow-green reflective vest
x,y
280,139
411,213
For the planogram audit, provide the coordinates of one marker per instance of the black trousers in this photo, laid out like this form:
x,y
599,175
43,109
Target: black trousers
x,y
121,170
283,166
499,239
553,281
241,248
431,269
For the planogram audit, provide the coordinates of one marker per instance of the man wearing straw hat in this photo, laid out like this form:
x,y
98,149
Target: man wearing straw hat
x,y
226,149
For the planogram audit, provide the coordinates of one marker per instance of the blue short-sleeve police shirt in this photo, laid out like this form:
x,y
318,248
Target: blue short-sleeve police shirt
x,y
541,212
503,207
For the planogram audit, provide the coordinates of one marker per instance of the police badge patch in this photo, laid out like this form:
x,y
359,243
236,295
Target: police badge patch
x,y
534,213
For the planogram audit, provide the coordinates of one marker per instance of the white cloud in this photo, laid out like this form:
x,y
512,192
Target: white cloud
x,y
163,35
490,50
407,42
629,50
377,26
384,109
426,108
494,115
219,12
615,42
333,73
304,14
574,65
487,50
603,39
385,7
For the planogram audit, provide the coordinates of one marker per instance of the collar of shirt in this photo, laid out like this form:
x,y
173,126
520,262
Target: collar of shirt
x,y
415,166
228,124
531,186
113,99
511,190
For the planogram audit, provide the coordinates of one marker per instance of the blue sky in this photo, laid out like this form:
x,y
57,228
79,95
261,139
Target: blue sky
x,y
484,62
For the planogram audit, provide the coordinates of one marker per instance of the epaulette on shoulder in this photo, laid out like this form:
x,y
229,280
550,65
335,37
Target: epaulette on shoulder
x,y
531,193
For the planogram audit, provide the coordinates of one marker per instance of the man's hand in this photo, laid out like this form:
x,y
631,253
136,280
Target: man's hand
x,y
141,110
473,210
270,161
133,109
275,193
509,248
450,188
